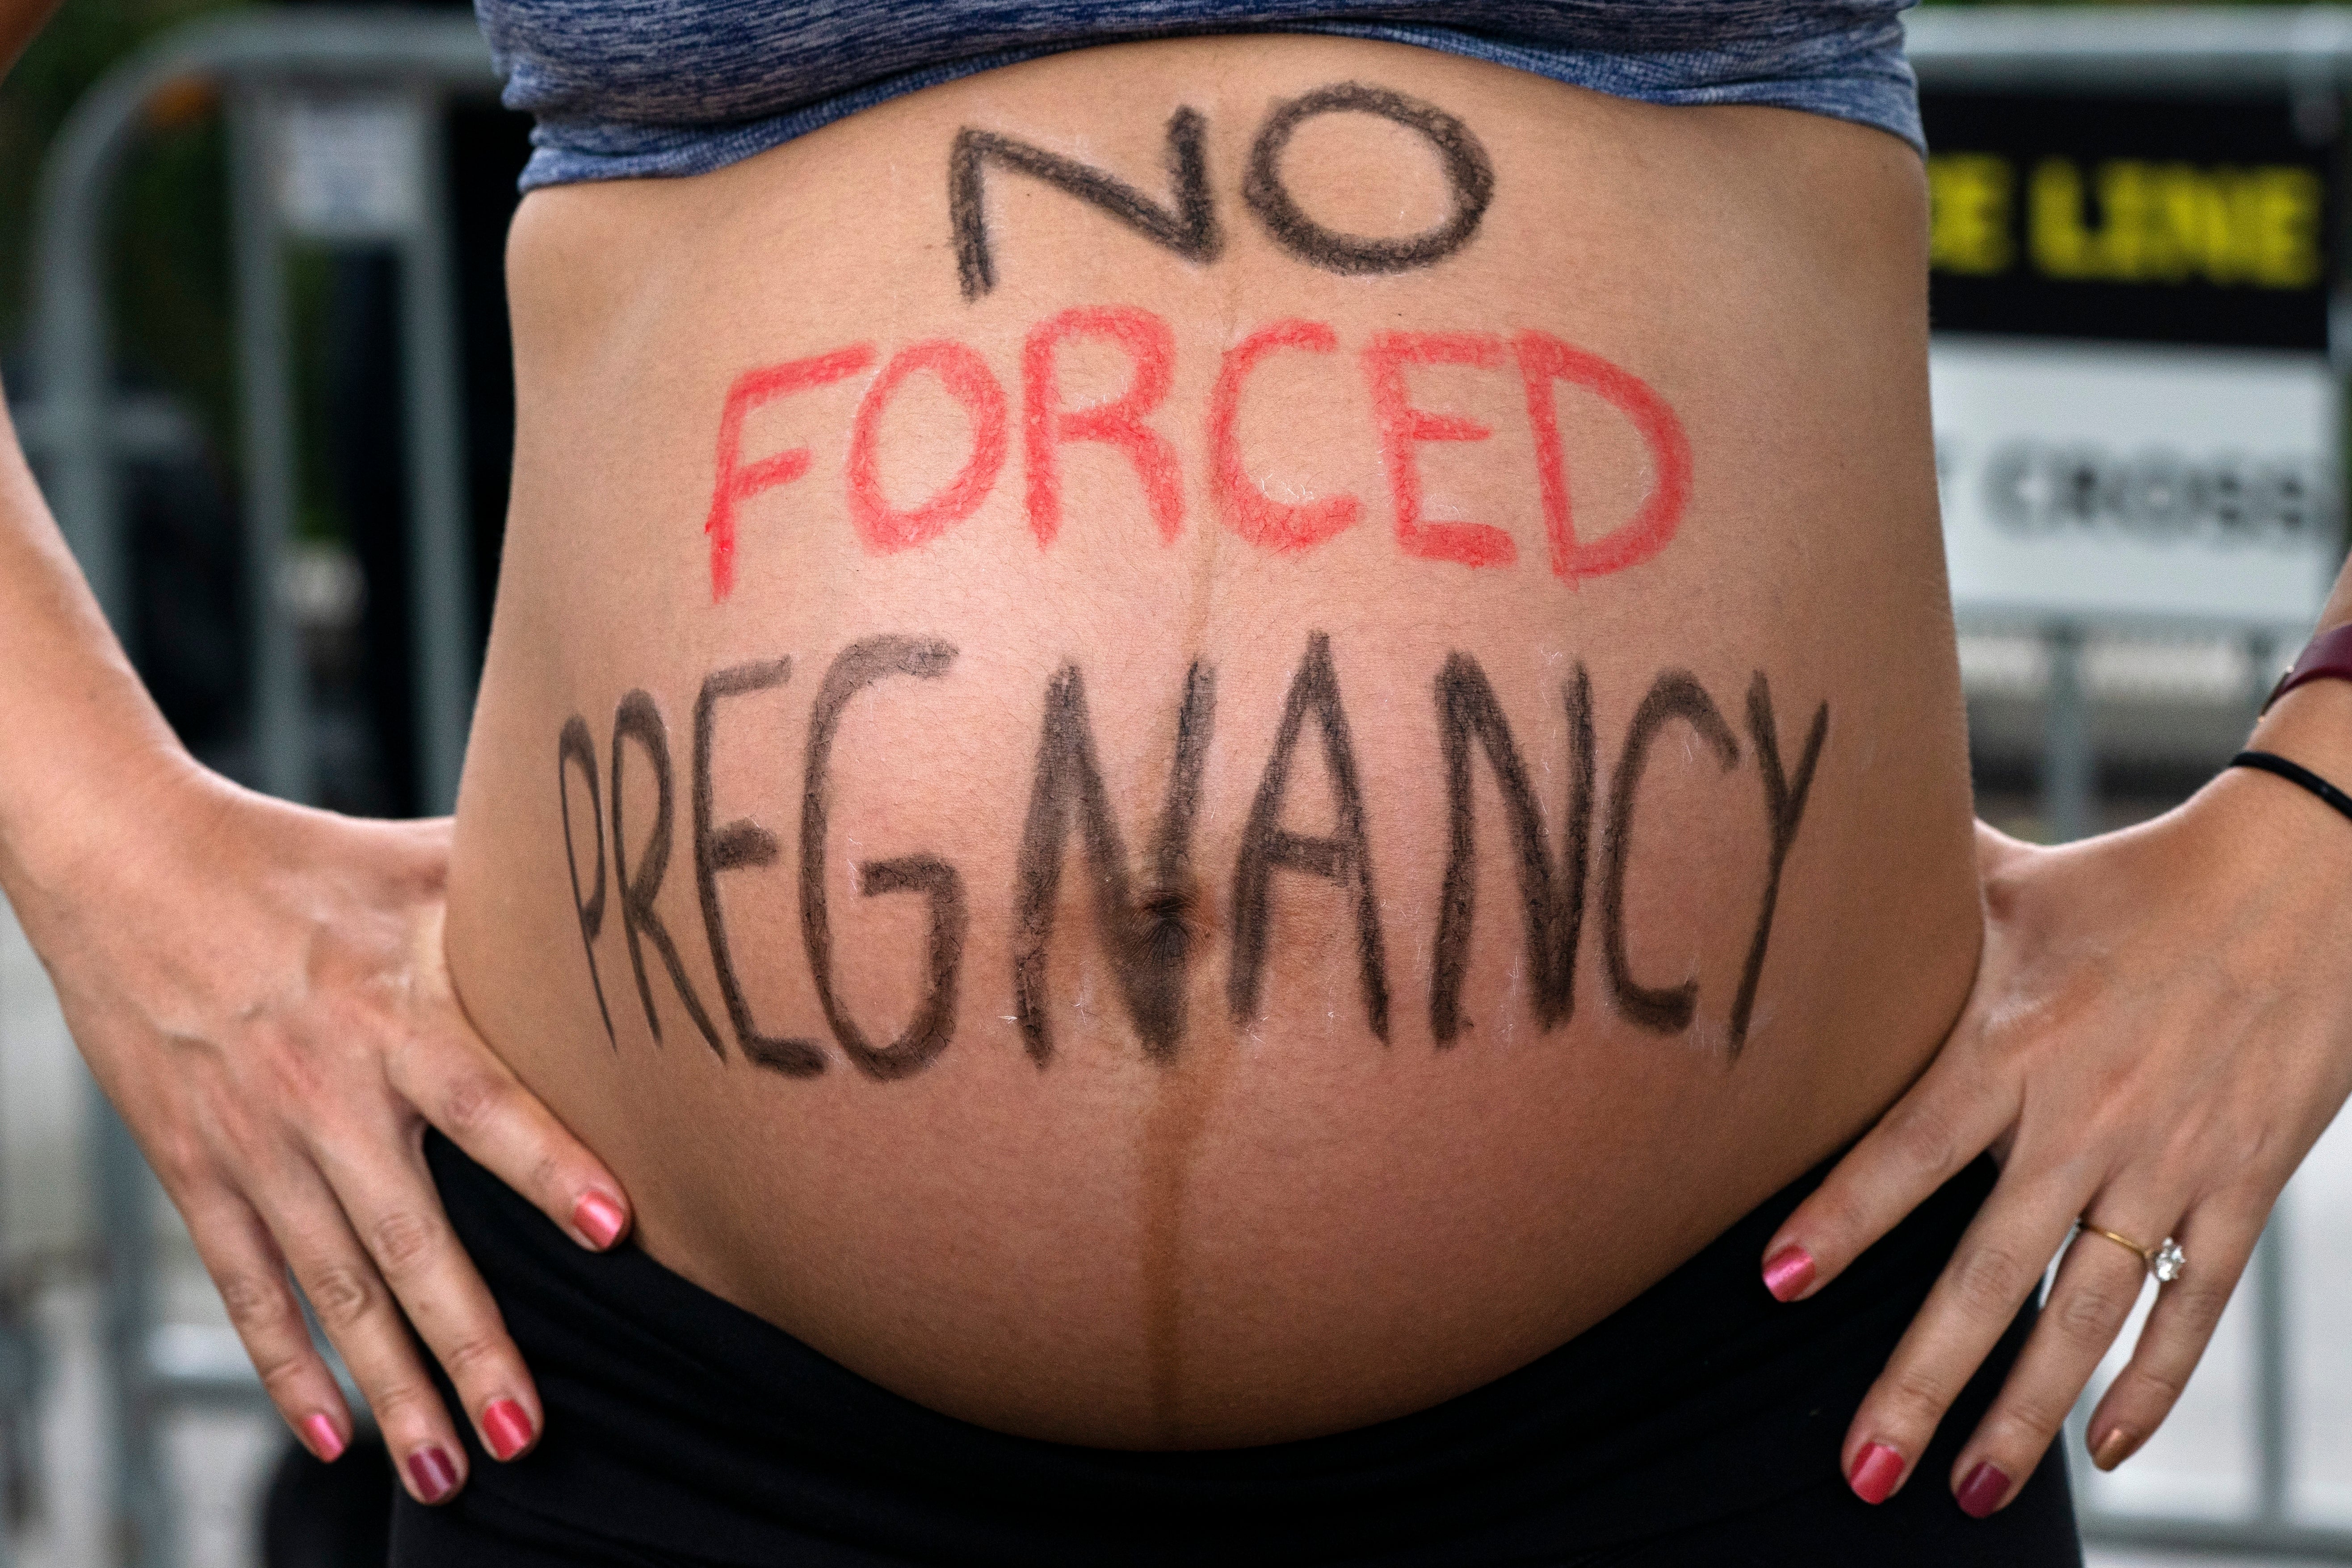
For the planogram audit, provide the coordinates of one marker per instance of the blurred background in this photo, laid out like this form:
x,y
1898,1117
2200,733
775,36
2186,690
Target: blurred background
x,y
252,328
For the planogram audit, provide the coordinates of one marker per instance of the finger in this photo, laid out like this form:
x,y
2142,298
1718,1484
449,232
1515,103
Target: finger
x,y
388,1194
1923,1140
249,1272
2098,1283
1997,1265
460,1086
359,1315
2218,1239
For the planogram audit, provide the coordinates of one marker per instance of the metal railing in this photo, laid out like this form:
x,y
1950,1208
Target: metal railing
x,y
2303,54
264,64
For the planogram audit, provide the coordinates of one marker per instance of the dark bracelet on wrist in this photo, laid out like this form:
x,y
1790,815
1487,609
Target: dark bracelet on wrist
x,y
2328,657
2295,772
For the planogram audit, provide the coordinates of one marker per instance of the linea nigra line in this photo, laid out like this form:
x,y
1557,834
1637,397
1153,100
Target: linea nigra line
x,y
1147,932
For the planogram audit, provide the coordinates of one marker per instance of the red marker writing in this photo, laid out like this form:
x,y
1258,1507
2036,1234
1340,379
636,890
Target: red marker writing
x,y
1403,425
738,481
1249,511
1120,420
970,382
1544,359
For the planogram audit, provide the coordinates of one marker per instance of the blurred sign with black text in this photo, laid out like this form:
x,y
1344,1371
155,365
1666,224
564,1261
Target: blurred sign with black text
x,y
2136,419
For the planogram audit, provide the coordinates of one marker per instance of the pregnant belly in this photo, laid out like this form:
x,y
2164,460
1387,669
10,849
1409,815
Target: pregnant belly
x,y
1198,743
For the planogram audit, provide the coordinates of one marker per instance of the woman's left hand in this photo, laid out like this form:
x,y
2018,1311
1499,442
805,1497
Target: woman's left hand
x,y
2159,1030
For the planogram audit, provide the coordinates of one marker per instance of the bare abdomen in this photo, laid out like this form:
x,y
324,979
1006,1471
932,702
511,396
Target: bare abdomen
x,y
1242,841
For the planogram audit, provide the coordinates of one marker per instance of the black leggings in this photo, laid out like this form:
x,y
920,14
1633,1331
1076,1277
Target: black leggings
x,y
1700,1425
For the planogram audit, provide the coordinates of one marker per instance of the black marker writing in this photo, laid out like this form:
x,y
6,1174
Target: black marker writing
x,y
1676,694
860,665
1187,224
1345,858
1554,905
1150,942
1784,807
576,746
740,844
1469,176
638,719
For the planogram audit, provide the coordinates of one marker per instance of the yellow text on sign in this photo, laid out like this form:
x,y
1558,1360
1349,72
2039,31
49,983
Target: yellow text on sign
x,y
2129,220
1972,197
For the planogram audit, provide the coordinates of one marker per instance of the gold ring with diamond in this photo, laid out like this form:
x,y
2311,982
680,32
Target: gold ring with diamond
x,y
2165,1261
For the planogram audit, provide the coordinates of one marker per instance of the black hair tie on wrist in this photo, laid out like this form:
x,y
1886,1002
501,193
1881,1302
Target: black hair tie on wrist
x,y
2295,772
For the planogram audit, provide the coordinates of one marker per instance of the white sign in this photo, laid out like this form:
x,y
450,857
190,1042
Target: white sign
x,y
2131,484
350,168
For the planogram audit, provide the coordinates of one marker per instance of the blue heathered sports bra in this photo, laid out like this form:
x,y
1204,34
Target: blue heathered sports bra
x,y
623,88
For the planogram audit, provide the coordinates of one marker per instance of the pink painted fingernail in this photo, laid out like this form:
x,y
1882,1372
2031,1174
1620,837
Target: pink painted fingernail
x,y
600,1219
1787,1273
507,1428
325,1441
432,1474
1982,1491
1875,1470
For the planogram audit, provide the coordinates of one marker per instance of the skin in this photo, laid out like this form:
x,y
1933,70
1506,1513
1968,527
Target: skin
x,y
261,990
264,989
1298,1211
2156,1074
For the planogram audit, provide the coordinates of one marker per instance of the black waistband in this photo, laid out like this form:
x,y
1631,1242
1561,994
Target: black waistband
x,y
680,1429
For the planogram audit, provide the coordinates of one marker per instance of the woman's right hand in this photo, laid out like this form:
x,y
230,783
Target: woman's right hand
x,y
261,989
